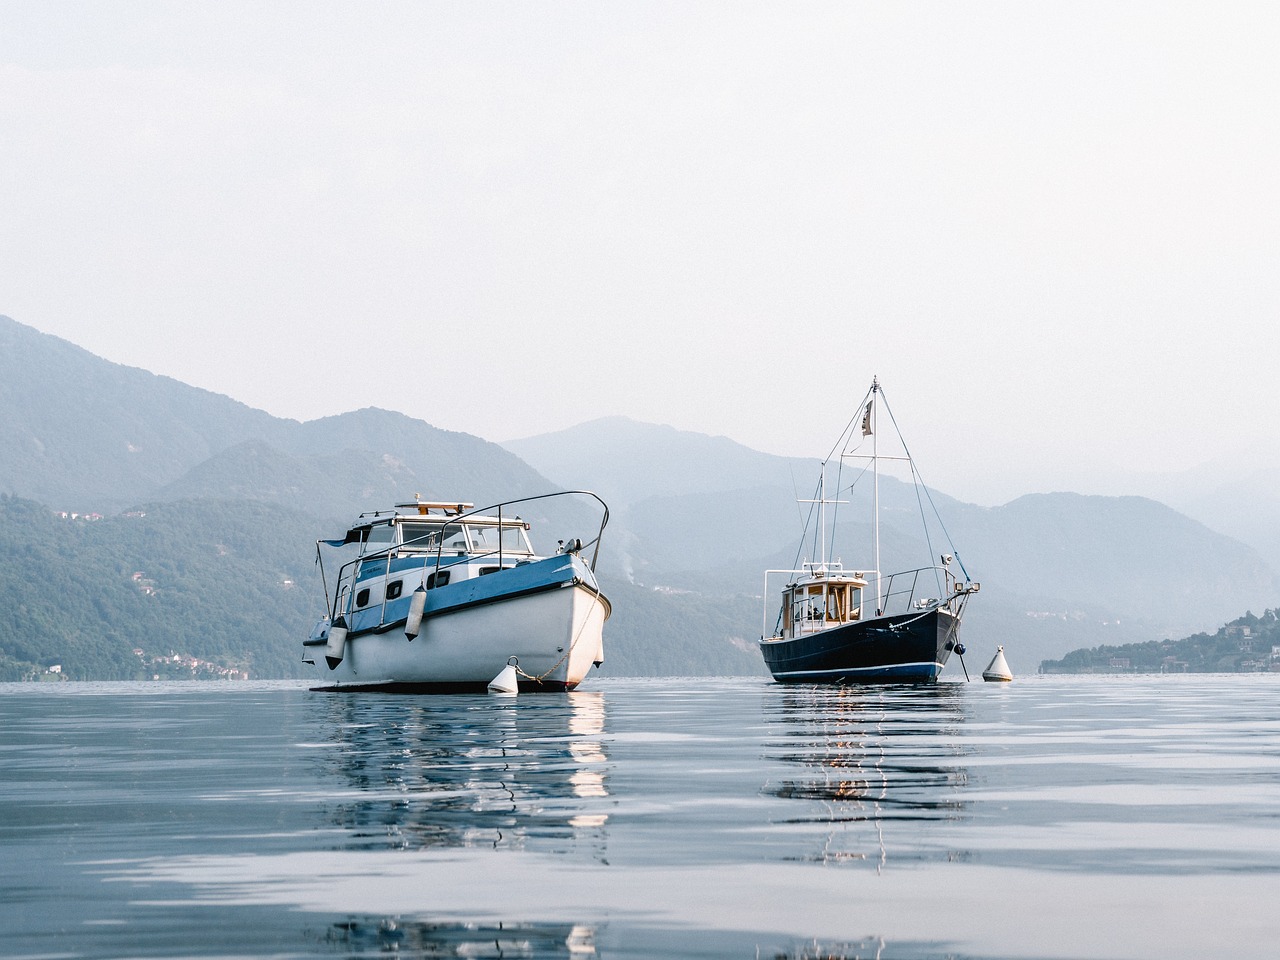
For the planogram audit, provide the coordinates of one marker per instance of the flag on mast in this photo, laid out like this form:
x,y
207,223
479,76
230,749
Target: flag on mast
x,y
866,420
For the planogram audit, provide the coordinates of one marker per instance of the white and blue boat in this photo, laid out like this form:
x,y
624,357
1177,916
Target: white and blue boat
x,y
439,597
862,626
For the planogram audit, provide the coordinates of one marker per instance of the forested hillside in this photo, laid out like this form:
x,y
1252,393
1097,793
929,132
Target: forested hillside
x,y
230,584
1247,644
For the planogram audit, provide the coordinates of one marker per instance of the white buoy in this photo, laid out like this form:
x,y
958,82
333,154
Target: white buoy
x,y
506,682
417,603
998,669
335,649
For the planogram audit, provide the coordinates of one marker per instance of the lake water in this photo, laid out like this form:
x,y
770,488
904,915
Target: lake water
x,y
1113,817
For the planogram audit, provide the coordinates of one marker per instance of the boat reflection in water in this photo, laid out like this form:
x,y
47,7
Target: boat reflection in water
x,y
407,938
468,771
879,763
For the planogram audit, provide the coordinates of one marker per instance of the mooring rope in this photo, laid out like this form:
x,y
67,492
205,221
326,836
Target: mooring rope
x,y
538,679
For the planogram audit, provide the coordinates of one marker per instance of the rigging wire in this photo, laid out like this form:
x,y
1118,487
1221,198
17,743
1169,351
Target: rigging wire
x,y
928,495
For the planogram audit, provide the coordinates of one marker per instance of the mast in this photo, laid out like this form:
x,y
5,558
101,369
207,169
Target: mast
x,y
822,512
875,489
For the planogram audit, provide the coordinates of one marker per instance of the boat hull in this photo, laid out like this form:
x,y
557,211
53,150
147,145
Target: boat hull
x,y
906,648
554,632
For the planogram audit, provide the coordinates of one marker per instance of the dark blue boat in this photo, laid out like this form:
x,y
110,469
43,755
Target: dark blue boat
x,y
835,626
910,647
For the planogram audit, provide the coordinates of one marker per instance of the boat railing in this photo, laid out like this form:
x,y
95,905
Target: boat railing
x,y
908,591
347,573
593,543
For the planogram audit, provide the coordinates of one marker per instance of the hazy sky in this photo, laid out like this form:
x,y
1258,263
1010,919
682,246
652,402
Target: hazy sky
x,y
1050,228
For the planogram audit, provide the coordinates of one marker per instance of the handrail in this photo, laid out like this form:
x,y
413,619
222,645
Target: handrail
x,y
604,520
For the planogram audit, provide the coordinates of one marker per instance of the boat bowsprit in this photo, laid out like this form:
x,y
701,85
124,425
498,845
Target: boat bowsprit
x,y
439,597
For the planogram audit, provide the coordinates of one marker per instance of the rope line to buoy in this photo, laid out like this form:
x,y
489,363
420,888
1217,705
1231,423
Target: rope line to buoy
x,y
538,679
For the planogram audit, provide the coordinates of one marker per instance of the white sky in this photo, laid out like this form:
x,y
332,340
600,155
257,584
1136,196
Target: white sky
x,y
1050,228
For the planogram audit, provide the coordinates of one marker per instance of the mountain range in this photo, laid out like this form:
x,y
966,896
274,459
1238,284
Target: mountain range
x,y
695,521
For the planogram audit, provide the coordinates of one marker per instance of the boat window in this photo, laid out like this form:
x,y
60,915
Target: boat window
x,y
362,598
487,570
514,540
486,539
483,539
438,579
393,589
379,538
420,536
455,539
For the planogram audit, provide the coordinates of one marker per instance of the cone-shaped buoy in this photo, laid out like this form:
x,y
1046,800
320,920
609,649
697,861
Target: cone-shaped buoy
x,y
506,682
998,669
335,649
417,603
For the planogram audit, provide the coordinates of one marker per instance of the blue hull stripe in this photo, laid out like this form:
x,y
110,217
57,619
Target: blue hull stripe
x,y
924,669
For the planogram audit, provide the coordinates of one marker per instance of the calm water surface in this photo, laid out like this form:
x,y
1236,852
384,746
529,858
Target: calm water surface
x,y
1052,817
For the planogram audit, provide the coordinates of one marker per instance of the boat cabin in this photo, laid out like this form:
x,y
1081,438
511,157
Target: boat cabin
x,y
426,532
428,543
824,597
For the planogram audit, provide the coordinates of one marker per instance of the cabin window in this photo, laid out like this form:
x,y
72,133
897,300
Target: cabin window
x,y
379,538
483,539
455,539
514,540
394,588
362,598
488,570
420,536
836,603
438,579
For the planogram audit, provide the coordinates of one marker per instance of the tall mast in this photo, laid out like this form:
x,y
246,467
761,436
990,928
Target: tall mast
x,y
822,513
875,494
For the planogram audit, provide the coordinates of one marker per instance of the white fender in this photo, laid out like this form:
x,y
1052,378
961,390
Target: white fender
x,y
335,649
417,603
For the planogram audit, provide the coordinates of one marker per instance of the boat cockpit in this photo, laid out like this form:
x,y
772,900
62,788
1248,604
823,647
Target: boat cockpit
x,y
824,598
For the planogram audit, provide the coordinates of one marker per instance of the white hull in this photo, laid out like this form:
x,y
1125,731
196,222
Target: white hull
x,y
555,635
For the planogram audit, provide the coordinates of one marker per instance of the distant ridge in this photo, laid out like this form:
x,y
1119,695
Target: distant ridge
x,y
628,460
84,433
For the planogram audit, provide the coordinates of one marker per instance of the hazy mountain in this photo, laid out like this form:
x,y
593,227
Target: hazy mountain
x,y
83,433
1234,499
626,461
342,465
